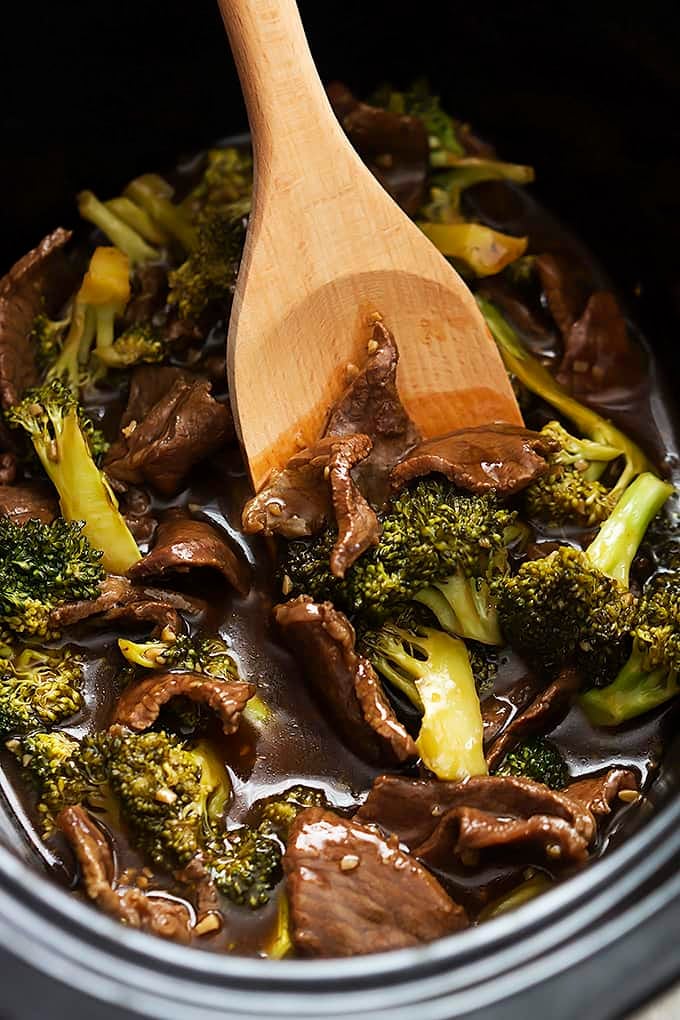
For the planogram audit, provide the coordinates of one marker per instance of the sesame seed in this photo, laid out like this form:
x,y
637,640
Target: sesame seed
x,y
629,796
349,862
274,509
327,472
129,429
208,924
553,850
372,346
351,371
165,796
286,585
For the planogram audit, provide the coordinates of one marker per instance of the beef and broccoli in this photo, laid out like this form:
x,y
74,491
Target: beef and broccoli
x,y
411,683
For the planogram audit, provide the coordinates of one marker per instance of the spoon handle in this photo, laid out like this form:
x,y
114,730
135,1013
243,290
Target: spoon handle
x,y
286,101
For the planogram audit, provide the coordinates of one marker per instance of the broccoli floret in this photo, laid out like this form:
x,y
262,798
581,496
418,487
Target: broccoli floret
x,y
126,237
538,380
139,344
539,760
651,674
484,665
574,603
103,295
41,567
228,178
419,102
433,670
571,491
430,533
246,862
38,688
62,771
49,414
172,795
209,274
47,336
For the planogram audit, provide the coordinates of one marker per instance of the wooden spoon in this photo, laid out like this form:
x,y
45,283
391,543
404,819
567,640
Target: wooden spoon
x,y
326,249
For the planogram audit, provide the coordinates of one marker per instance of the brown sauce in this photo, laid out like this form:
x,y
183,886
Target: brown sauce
x,y
299,744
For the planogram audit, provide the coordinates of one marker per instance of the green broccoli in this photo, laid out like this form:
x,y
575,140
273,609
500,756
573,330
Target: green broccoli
x,y
38,688
227,178
120,232
246,862
141,343
536,759
433,670
538,380
49,414
43,566
419,102
430,534
209,273
651,674
574,603
47,336
154,195
448,187
571,491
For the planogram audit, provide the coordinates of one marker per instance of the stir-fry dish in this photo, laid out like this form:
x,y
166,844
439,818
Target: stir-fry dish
x,y
410,684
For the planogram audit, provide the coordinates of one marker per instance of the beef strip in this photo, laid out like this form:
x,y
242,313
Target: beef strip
x,y
28,501
150,288
599,356
148,385
566,288
8,466
322,640
140,704
372,406
497,710
547,709
414,810
314,487
136,507
184,544
395,147
490,458
597,794
124,603
183,427
353,892
39,281
131,906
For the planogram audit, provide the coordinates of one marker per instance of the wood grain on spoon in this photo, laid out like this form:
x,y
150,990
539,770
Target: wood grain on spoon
x,y
326,249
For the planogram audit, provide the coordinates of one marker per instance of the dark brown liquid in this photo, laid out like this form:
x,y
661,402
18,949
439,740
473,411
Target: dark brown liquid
x,y
299,744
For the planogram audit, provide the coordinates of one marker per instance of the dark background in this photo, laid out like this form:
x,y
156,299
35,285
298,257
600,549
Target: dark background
x,y
91,93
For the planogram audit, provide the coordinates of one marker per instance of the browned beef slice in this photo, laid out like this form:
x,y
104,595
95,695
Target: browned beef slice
x,y
140,704
497,710
124,603
547,709
35,282
530,319
182,428
322,640
565,287
150,287
148,385
30,500
394,147
599,355
413,808
352,891
8,465
314,487
183,544
371,405
489,458
135,505
598,794
135,908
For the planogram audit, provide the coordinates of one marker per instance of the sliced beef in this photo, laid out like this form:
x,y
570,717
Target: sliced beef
x,y
140,704
372,406
39,281
149,384
322,640
490,458
597,794
150,288
161,446
353,892
394,147
541,715
416,810
183,544
315,487
566,289
133,907
136,508
526,313
8,465
599,356
28,501
127,604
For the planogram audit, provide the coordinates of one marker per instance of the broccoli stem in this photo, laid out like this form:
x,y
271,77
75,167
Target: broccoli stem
x,y
153,193
118,232
463,607
613,549
84,493
539,381
479,249
634,692
136,218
